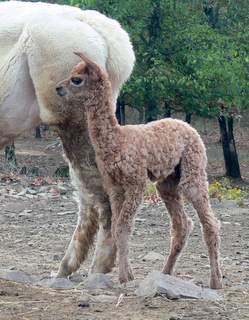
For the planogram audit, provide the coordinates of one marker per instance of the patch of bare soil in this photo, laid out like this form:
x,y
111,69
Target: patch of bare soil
x,y
38,216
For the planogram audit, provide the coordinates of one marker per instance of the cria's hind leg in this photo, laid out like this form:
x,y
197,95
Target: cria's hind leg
x,y
194,186
181,224
198,195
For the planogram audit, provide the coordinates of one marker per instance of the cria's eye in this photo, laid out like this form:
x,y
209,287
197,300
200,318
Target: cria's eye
x,y
76,80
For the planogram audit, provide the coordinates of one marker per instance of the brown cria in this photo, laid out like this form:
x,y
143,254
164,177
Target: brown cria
x,y
168,152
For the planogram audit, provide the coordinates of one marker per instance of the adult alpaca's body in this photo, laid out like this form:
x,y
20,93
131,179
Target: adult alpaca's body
x,y
36,41
168,151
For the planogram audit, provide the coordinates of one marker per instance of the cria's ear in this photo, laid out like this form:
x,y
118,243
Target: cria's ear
x,y
91,67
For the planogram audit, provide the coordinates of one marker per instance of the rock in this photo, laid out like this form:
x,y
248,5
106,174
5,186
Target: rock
x,y
229,204
132,284
31,191
78,277
12,268
43,194
152,256
140,220
174,288
15,275
64,213
56,257
104,298
174,317
54,146
98,281
25,213
83,304
56,283
62,189
22,193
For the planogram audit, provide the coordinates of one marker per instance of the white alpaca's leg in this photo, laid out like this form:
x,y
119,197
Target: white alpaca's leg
x,y
94,206
91,217
81,241
105,251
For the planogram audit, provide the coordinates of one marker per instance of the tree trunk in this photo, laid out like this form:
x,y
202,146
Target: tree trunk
x,y
118,116
141,115
229,148
38,132
167,112
212,13
120,112
10,155
154,28
151,113
188,117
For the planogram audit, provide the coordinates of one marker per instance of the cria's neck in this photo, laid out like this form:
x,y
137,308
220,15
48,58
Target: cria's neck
x,y
102,122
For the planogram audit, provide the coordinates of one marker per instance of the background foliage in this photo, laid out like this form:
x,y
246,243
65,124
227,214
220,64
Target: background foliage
x,y
192,56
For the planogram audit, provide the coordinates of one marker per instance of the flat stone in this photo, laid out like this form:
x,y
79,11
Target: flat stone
x,y
64,213
104,298
230,203
153,256
132,284
98,281
31,191
78,277
15,275
56,283
173,288
25,213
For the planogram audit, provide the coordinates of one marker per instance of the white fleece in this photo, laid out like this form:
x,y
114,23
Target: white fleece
x,y
37,41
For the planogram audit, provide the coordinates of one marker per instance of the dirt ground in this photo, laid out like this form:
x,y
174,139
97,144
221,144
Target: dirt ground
x,y
38,216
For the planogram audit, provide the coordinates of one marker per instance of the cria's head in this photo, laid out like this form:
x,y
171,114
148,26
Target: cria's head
x,y
83,80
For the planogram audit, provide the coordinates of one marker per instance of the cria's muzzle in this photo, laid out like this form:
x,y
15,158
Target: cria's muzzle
x,y
61,91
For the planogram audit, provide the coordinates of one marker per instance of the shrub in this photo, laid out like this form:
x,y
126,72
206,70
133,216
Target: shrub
x,y
224,190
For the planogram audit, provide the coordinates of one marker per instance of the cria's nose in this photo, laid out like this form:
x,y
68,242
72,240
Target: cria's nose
x,y
61,91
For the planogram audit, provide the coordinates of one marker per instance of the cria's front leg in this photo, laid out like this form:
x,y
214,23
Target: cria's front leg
x,y
124,208
125,270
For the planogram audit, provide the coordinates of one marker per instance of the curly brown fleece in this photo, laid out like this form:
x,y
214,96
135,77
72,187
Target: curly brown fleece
x,y
168,151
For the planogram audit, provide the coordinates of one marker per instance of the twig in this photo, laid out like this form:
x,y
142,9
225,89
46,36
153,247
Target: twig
x,y
120,299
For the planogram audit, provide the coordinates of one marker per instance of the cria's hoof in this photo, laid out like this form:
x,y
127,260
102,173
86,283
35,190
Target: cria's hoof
x,y
125,278
62,273
102,269
215,284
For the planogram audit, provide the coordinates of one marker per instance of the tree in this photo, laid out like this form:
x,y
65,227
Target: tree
x,y
234,58
192,56
10,155
38,132
229,148
189,59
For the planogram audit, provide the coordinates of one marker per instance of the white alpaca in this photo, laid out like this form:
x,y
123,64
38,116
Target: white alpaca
x,y
36,45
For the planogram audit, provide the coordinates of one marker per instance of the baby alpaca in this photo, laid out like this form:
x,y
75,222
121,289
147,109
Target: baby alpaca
x,y
169,152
